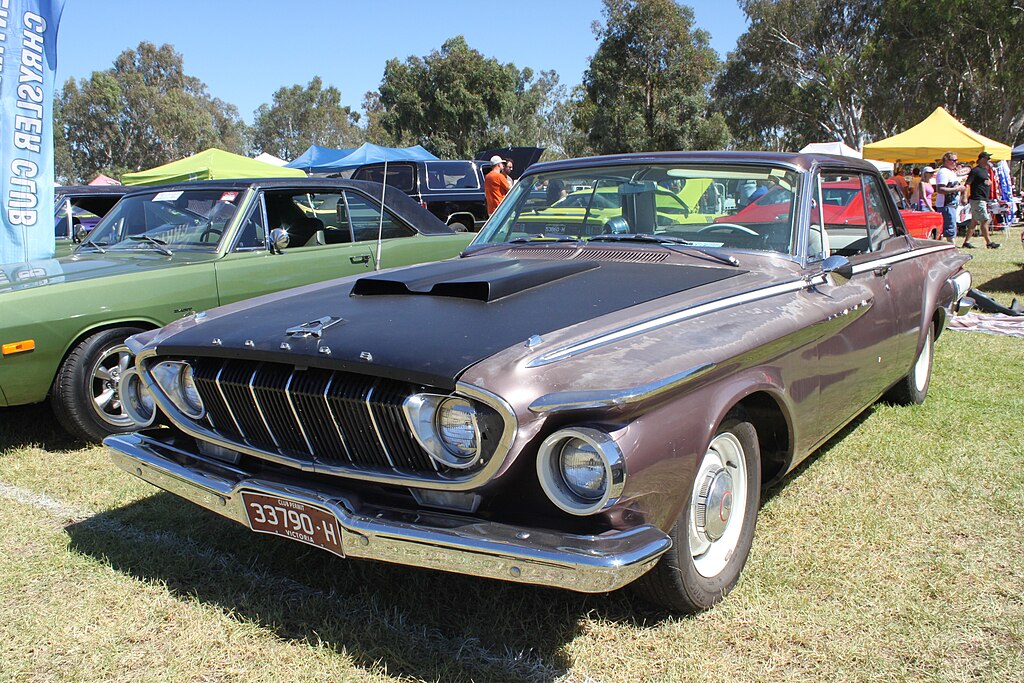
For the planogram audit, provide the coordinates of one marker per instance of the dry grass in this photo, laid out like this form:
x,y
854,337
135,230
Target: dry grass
x,y
895,553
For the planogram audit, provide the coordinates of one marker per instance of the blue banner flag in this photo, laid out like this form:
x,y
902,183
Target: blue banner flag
x,y
28,60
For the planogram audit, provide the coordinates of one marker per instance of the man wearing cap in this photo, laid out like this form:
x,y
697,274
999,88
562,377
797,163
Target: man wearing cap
x,y
979,182
948,189
496,184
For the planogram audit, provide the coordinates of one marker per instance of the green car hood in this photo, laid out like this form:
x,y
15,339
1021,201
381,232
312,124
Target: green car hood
x,y
88,266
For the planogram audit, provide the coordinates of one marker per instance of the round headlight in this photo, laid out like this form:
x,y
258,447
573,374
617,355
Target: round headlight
x,y
457,429
582,469
137,399
190,393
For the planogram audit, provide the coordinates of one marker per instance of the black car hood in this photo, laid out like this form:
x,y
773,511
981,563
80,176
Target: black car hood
x,y
428,323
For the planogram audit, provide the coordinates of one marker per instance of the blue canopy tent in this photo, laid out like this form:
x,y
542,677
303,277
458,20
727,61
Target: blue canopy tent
x,y
1017,153
326,160
318,159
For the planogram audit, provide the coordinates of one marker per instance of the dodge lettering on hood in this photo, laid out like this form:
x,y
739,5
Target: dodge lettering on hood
x,y
593,395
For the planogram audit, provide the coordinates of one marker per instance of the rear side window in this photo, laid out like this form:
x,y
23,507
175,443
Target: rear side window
x,y
452,175
399,176
363,217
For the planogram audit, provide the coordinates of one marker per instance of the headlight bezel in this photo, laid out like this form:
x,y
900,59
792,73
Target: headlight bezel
x,y
553,481
133,392
170,376
422,413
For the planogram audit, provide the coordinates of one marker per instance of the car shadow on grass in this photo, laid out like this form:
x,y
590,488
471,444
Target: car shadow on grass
x,y
34,425
412,622
1007,282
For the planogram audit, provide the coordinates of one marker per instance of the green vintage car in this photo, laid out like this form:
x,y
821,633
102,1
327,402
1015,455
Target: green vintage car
x,y
589,210
171,251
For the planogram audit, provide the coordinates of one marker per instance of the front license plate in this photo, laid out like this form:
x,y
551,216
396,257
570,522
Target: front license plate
x,y
294,520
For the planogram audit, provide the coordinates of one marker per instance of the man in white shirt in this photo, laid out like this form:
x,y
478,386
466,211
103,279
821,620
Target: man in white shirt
x,y
948,190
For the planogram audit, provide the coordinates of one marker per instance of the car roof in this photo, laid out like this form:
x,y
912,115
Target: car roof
x,y
796,161
91,189
397,201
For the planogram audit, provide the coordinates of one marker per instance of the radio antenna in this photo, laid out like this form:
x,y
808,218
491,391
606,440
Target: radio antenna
x,y
380,226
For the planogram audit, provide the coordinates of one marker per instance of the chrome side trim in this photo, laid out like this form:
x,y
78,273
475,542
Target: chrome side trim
x,y
259,408
334,419
905,256
295,414
585,400
464,545
376,428
673,318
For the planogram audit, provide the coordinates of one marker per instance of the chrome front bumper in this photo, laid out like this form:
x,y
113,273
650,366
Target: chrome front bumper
x,y
589,564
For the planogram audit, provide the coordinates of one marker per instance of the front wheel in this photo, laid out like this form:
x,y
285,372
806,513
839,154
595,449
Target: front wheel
x,y
712,537
913,389
86,392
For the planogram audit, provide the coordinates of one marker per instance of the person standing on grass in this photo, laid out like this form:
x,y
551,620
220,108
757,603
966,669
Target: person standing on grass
x,y
948,190
979,180
921,199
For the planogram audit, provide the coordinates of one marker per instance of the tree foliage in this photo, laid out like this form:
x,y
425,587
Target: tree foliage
x,y
303,116
647,85
858,70
142,112
456,102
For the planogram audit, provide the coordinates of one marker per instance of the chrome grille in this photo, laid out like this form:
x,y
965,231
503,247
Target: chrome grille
x,y
317,416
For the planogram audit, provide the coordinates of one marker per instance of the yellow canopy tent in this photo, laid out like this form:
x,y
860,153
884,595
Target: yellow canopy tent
x,y
929,140
213,164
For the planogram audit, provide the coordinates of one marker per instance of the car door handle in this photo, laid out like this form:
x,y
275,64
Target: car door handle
x,y
882,270
365,258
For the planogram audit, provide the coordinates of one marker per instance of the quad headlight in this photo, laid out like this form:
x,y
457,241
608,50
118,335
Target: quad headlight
x,y
581,470
137,399
176,380
447,427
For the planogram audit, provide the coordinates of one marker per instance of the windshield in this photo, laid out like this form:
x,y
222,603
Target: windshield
x,y
168,220
701,205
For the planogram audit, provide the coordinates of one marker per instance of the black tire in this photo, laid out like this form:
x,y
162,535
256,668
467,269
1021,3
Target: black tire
x,y
460,226
85,395
685,583
913,389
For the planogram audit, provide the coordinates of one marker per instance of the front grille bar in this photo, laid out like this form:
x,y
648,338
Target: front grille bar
x,y
313,417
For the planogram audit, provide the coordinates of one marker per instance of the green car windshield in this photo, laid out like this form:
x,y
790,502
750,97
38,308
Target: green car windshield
x,y
737,206
166,220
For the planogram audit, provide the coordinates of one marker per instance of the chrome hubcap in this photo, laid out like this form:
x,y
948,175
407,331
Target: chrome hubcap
x,y
719,491
105,384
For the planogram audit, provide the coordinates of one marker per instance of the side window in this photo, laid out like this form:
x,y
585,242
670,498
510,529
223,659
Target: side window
x,y
880,223
843,207
365,218
296,212
254,231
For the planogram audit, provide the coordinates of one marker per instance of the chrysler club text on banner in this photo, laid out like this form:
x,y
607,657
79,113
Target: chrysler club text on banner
x,y
28,59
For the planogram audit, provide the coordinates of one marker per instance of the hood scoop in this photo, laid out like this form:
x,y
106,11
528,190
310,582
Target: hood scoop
x,y
479,279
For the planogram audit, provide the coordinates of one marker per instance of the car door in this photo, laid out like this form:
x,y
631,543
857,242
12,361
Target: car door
x,y
321,247
859,353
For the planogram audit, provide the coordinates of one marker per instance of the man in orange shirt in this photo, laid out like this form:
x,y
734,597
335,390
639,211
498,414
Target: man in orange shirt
x,y
496,184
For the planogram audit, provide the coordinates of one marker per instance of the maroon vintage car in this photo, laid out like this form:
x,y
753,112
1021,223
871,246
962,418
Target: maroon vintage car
x,y
577,410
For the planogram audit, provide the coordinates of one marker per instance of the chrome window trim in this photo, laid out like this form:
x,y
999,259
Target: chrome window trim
x,y
259,408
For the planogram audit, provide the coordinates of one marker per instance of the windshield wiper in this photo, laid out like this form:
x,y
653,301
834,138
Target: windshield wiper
x,y
669,242
159,245
94,245
541,237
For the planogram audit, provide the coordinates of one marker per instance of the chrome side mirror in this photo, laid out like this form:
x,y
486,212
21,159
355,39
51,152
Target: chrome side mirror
x,y
839,267
80,234
279,240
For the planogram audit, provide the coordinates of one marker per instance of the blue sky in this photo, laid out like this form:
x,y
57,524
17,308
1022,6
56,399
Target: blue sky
x,y
244,50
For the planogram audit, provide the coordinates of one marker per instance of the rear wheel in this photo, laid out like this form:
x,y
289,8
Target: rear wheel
x,y
913,389
86,392
460,225
712,537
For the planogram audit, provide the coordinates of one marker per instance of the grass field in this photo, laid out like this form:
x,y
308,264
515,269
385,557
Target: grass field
x,y
895,553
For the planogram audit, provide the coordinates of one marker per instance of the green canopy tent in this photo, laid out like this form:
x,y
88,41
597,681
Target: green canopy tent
x,y
212,164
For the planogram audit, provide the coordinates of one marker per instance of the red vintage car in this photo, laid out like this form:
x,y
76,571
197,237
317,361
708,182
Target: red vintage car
x,y
842,205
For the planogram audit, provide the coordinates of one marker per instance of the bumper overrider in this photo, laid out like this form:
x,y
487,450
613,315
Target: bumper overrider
x,y
589,564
